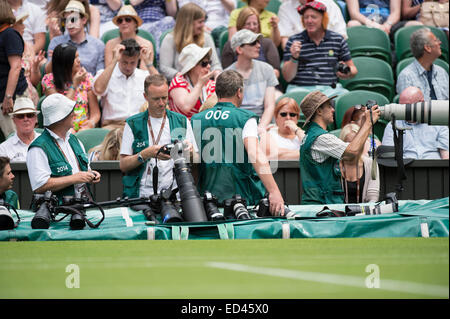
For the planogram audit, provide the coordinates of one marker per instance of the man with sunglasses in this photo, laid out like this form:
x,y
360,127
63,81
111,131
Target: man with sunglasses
x,y
24,116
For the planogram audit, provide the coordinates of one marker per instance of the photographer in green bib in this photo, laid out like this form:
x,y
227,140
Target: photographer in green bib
x,y
232,161
57,160
320,151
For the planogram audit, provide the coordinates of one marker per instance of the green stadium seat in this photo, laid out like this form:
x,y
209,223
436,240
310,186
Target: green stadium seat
x,y
222,40
40,118
369,42
91,137
405,62
161,38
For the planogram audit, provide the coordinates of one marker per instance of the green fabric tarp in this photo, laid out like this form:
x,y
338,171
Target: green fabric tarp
x,y
420,218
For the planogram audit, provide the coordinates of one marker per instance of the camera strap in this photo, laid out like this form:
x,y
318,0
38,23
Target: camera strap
x,y
398,147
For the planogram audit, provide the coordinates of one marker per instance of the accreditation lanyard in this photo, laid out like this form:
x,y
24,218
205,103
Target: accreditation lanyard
x,y
155,170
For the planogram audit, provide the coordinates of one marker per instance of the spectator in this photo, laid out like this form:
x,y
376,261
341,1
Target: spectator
x,y
12,79
249,19
91,49
158,16
430,78
282,141
267,20
128,22
34,32
189,28
25,118
289,18
6,183
259,78
380,14
189,90
139,153
356,178
119,104
56,160
109,149
107,10
225,174
320,151
420,141
311,57
72,80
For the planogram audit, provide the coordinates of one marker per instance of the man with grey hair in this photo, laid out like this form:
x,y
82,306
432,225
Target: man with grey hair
x,y
430,78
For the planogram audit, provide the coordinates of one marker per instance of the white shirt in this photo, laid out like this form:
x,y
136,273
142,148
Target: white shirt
x,y
290,21
124,96
166,179
283,142
40,3
35,23
37,162
15,149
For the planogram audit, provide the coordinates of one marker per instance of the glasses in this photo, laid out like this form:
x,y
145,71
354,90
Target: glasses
x,y
28,115
204,64
253,43
127,20
284,114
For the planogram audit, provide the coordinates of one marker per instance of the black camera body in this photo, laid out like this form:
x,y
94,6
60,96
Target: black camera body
x,y
264,208
166,149
235,208
165,203
342,67
43,205
78,216
211,207
370,104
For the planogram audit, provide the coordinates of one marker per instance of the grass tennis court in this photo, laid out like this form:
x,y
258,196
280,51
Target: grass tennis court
x,y
279,269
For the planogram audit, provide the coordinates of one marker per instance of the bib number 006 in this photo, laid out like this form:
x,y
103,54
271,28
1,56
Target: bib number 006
x,y
217,114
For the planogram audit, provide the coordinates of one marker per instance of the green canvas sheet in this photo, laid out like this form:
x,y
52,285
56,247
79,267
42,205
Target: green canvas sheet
x,y
422,218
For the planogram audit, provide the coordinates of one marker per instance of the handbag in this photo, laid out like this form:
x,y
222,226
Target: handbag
x,y
435,14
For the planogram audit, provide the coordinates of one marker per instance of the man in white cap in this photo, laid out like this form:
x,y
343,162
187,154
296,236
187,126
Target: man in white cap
x,y
56,160
24,116
91,50
259,78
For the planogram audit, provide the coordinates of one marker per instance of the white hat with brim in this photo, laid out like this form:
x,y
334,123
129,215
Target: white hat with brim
x,y
55,108
74,6
190,56
23,105
127,11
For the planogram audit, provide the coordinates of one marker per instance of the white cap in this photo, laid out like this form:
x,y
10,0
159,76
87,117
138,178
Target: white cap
x,y
56,107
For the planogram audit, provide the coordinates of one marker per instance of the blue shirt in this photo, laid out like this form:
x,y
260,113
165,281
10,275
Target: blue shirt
x,y
91,51
151,10
415,75
422,141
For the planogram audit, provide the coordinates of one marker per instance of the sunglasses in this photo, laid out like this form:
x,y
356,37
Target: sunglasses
x,y
28,115
204,64
284,114
253,43
127,20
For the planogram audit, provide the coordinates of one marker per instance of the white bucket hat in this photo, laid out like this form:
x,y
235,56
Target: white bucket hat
x,y
56,107
190,56
23,105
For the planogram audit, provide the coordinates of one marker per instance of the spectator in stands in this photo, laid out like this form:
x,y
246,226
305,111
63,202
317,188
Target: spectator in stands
x,y
289,18
189,90
72,80
267,20
380,14
410,13
356,178
25,118
158,16
56,160
109,149
259,78
13,83
91,49
420,141
189,28
128,21
430,78
143,136
282,141
6,183
34,32
250,176
107,11
311,57
320,151
249,19
121,85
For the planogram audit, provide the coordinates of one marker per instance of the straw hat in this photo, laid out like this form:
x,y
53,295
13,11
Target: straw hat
x,y
127,11
22,17
75,6
23,105
190,56
56,107
312,102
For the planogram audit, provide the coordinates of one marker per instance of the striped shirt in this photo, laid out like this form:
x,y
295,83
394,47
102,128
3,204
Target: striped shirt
x,y
151,10
317,63
327,145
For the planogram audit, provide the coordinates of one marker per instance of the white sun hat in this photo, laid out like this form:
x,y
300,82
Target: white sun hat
x,y
190,56
56,107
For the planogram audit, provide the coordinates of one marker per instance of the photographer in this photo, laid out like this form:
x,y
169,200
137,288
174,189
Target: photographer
x,y
144,135
320,151
6,183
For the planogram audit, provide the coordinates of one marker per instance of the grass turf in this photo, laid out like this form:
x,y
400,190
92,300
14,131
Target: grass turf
x,y
179,269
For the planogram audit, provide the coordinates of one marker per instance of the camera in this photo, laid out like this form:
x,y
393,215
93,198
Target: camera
x,y
342,67
370,104
43,205
210,203
390,206
166,149
235,208
78,216
165,204
432,112
264,208
6,219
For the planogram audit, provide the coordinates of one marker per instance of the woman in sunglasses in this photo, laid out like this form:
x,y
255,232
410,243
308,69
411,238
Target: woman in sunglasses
x,y
193,86
282,141
72,80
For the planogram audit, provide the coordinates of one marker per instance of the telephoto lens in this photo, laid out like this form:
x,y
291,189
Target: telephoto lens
x,y
77,221
235,208
263,208
169,213
41,204
210,202
432,112
147,211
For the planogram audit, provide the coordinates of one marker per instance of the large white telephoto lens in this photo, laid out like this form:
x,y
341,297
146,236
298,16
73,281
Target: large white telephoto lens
x,y
432,112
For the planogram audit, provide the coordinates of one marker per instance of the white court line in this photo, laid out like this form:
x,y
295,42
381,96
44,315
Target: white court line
x,y
344,280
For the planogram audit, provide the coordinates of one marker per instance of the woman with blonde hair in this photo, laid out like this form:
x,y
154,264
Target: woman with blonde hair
x,y
189,28
356,177
109,149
